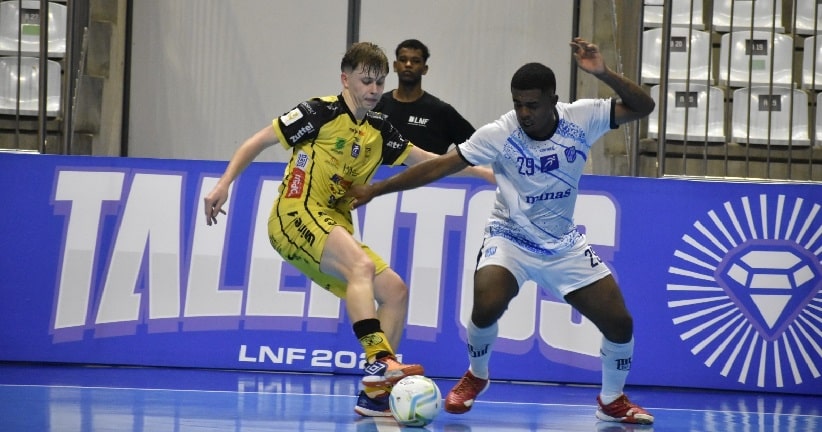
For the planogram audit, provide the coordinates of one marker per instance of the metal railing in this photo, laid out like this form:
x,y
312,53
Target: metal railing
x,y
784,151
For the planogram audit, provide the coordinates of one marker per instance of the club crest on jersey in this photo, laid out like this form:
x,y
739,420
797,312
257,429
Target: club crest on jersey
x,y
355,150
571,154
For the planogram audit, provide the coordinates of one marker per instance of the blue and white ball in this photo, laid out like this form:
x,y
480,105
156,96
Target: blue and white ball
x,y
415,401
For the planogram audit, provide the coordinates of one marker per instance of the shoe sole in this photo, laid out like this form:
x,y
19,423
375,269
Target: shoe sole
x,y
391,377
646,419
365,412
461,408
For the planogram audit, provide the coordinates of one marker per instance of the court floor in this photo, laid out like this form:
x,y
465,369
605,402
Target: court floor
x,y
44,398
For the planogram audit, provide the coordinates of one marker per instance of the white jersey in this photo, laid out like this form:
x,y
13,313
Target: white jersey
x,y
537,181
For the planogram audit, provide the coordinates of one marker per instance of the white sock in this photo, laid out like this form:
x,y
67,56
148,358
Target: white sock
x,y
616,363
480,344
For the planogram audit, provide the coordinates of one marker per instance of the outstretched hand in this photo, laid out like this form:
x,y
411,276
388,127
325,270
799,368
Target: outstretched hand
x,y
361,194
213,205
588,56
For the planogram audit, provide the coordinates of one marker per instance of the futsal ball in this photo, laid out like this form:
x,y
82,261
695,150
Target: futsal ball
x,y
415,401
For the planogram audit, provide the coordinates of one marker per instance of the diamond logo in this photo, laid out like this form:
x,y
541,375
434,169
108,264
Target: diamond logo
x,y
745,290
771,281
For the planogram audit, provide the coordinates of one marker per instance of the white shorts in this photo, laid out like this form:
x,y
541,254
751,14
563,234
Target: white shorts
x,y
560,274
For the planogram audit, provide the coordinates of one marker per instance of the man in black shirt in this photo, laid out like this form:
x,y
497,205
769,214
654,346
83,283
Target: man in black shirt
x,y
421,117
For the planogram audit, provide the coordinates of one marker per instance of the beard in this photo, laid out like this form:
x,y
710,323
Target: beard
x,y
409,79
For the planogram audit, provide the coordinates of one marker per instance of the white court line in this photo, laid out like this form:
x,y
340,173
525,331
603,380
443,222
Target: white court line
x,y
387,422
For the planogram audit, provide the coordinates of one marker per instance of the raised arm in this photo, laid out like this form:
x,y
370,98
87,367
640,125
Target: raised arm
x,y
245,154
634,102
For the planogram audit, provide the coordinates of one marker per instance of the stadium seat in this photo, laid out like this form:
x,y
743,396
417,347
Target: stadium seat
x,y
805,23
681,14
704,107
29,79
758,51
697,51
28,31
760,116
747,14
812,67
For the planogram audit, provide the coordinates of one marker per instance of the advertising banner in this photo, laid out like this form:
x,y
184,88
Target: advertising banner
x,y
110,261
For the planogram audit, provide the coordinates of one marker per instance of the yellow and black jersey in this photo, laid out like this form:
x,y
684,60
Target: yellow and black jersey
x,y
332,150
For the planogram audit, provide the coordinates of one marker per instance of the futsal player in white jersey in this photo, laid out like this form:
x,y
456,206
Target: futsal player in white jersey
x,y
538,152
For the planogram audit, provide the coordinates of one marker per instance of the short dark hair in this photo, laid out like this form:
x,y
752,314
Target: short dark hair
x,y
366,54
413,44
534,76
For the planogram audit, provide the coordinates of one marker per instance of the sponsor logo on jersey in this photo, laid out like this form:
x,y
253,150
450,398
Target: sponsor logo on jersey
x,y
350,171
546,196
290,117
340,180
302,161
304,232
419,121
308,128
295,184
307,107
548,163
744,287
393,144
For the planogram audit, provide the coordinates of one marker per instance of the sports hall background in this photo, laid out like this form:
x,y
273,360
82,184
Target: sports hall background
x,y
110,263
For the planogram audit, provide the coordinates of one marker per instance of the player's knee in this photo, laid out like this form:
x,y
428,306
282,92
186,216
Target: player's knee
x,y
363,268
487,312
490,305
620,328
389,289
398,293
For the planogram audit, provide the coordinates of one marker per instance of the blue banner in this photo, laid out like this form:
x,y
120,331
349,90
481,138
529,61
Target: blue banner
x,y
110,261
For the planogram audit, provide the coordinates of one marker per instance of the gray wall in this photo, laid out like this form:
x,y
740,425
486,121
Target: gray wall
x,y
206,74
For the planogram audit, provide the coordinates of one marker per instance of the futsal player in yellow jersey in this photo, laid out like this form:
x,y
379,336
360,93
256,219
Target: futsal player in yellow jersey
x,y
336,142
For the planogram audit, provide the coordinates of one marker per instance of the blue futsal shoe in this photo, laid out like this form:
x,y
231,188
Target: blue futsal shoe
x,y
373,407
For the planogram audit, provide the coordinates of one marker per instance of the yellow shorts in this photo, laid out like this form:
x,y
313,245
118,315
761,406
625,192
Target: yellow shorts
x,y
298,233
